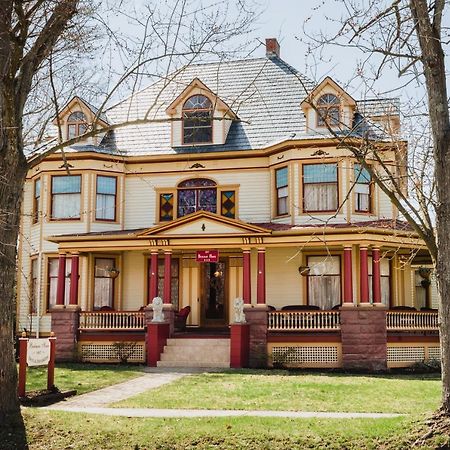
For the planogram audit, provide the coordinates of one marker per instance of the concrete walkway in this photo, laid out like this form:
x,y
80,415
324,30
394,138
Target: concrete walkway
x,y
96,402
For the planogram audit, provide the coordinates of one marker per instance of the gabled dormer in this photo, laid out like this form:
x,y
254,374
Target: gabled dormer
x,y
77,117
328,105
199,117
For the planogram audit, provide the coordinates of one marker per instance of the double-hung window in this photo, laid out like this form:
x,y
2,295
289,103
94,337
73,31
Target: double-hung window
x,y
281,186
66,196
324,281
320,187
106,198
52,281
362,189
36,200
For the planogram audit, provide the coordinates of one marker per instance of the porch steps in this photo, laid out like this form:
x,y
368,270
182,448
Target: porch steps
x,y
190,352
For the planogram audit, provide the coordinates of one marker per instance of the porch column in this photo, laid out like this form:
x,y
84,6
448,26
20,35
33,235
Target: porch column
x,y
61,284
246,277
74,279
261,279
167,292
348,284
153,279
376,276
364,276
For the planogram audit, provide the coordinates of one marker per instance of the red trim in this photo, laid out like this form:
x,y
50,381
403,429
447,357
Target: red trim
x,y
167,292
61,287
153,277
348,283
74,277
157,335
51,364
364,276
121,336
261,277
408,337
376,275
246,278
239,345
21,388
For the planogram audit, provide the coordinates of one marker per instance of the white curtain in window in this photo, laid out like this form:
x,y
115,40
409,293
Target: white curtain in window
x,y
324,281
320,197
53,267
103,283
66,206
105,207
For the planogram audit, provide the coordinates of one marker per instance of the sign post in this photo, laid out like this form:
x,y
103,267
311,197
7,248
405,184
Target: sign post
x,y
36,352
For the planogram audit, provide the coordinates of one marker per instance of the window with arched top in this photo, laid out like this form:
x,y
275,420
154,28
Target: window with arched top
x,y
329,109
76,124
197,120
198,194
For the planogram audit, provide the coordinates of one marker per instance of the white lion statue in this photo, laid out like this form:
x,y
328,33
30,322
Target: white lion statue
x,y
239,316
158,315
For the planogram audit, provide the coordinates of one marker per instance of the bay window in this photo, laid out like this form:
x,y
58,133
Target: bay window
x,y
281,187
106,198
362,189
320,188
66,197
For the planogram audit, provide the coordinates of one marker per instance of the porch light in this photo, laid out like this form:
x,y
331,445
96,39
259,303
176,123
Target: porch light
x,y
218,274
304,271
112,272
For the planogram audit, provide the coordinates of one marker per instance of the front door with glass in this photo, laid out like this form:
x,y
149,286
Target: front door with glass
x,y
214,299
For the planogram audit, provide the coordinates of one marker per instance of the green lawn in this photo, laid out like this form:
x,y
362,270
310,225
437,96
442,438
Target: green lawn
x,y
82,377
283,390
59,430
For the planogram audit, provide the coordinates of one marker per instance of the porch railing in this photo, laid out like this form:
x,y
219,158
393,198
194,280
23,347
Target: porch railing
x,y
412,321
303,321
112,320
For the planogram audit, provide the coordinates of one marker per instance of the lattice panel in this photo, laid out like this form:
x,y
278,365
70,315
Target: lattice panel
x,y
306,356
112,352
434,353
405,354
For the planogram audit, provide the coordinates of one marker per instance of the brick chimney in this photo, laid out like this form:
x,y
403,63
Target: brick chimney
x,y
272,48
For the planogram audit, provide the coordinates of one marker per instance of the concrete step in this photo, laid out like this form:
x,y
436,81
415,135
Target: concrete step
x,y
191,356
213,342
210,365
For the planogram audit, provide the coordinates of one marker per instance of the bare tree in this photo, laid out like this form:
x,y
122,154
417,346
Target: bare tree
x,y
410,38
42,42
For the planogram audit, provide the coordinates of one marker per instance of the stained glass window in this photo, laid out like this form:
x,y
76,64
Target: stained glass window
x,y
196,195
228,204
197,120
165,207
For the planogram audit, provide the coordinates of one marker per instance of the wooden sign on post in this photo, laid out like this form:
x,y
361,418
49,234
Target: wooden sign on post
x,y
36,352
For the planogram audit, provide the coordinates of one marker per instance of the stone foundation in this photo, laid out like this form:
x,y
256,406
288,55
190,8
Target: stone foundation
x,y
364,338
256,317
65,322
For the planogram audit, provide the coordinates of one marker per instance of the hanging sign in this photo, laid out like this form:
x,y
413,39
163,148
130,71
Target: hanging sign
x,y
207,256
38,352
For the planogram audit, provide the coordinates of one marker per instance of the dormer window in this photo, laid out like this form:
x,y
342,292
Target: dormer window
x,y
197,120
328,108
76,124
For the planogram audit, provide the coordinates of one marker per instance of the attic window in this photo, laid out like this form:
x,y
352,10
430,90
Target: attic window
x,y
197,120
76,124
328,107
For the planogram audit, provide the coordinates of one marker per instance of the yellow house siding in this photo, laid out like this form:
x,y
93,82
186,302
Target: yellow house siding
x,y
133,280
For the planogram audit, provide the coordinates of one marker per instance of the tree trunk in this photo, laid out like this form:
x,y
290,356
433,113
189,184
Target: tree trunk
x,y
433,61
13,169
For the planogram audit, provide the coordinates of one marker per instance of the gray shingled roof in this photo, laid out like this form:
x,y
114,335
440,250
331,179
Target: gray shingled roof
x,y
265,93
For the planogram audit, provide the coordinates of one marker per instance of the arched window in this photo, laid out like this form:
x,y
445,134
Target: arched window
x,y
197,120
76,124
197,195
328,107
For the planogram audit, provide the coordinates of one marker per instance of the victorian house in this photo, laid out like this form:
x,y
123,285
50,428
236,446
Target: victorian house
x,y
229,180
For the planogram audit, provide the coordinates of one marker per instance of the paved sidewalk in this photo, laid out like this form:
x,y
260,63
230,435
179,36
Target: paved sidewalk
x,y
117,392
96,402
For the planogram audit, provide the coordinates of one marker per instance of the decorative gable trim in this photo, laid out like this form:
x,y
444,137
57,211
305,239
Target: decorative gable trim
x,y
240,226
200,87
78,104
317,91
